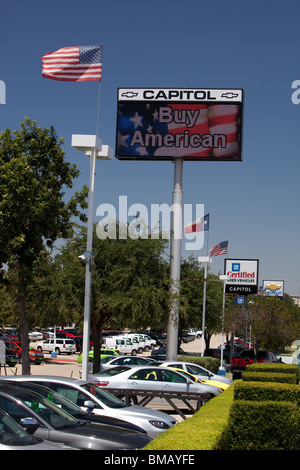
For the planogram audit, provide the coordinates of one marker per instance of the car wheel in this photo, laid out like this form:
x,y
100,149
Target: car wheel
x,y
133,352
207,398
147,348
39,348
57,350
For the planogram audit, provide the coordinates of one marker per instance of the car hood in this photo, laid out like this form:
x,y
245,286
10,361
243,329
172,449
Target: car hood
x,y
114,436
135,411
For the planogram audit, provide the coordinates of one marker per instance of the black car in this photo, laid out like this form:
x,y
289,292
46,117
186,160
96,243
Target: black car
x,y
75,410
56,425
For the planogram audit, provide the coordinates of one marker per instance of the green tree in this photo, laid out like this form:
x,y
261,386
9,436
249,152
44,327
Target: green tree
x,y
33,213
129,284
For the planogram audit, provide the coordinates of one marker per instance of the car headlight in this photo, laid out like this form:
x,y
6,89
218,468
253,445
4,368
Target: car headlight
x,y
159,424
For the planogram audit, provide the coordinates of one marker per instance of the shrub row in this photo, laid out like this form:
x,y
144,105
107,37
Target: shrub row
x,y
265,413
277,368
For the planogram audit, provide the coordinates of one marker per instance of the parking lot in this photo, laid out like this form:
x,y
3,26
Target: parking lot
x,y
67,366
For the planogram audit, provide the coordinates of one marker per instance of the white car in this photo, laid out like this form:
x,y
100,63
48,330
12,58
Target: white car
x,y
58,345
92,398
197,370
35,335
151,377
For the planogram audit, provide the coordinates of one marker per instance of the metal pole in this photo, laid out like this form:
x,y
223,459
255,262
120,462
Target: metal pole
x,y
88,271
175,260
223,320
203,313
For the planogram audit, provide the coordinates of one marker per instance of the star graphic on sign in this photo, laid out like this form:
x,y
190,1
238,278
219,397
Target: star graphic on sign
x,y
122,140
137,120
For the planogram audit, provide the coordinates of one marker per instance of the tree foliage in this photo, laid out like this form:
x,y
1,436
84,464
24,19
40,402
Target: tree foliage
x,y
33,213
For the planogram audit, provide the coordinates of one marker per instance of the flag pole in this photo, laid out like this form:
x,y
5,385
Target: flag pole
x,y
98,109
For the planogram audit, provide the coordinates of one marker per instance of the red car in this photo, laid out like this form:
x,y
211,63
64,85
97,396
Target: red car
x,y
34,355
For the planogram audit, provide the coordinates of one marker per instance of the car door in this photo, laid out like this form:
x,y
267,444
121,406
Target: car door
x,y
174,382
146,379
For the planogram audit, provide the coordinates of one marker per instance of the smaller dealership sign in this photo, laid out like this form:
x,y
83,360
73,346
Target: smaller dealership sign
x,y
193,124
242,276
273,288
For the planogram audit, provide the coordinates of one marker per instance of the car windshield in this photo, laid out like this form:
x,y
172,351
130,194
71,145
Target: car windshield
x,y
106,398
53,415
113,371
59,400
12,434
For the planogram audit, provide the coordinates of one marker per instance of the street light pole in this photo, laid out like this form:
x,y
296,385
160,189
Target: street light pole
x,y
205,260
94,149
222,370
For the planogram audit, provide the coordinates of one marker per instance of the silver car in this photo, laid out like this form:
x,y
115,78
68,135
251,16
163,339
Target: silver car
x,y
55,425
14,437
110,361
197,370
151,377
89,397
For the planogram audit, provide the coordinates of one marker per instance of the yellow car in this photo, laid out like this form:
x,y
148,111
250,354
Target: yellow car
x,y
213,383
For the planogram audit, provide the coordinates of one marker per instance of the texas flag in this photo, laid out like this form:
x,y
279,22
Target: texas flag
x,y
198,225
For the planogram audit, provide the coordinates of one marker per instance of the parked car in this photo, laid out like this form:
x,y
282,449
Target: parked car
x,y
100,402
56,425
58,345
161,353
103,353
160,339
35,355
197,370
35,335
247,356
14,437
11,334
71,408
213,383
11,357
110,361
123,344
150,377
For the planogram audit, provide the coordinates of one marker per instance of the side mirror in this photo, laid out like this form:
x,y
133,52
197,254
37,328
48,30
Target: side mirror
x,y
89,405
29,424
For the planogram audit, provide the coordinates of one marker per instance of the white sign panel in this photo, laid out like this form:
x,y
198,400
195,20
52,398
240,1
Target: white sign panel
x,y
242,276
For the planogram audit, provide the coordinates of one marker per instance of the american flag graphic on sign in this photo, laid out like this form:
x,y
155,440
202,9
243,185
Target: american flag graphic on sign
x,y
156,130
77,64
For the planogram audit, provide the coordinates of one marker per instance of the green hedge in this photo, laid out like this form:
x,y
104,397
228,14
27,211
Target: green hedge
x,y
261,391
199,432
210,363
278,367
264,425
269,377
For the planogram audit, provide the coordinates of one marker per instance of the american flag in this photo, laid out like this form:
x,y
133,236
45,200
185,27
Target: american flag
x,y
198,225
211,119
219,249
75,64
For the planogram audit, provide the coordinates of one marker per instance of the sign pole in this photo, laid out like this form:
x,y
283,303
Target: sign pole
x,y
175,260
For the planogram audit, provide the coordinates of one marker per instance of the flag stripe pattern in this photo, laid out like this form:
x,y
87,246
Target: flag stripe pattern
x,y
219,249
198,225
142,134
76,64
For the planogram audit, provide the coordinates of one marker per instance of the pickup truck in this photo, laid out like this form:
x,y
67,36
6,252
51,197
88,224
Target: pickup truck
x,y
239,361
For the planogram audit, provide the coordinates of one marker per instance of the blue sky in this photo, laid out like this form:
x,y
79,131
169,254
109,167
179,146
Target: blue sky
x,y
254,204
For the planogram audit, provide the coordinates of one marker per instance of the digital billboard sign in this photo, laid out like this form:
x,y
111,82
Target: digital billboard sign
x,y
193,124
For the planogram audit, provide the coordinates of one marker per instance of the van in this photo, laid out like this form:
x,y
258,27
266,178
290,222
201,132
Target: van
x,y
124,345
58,345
